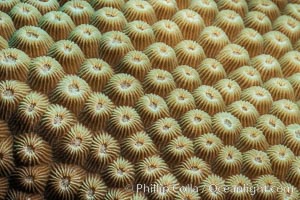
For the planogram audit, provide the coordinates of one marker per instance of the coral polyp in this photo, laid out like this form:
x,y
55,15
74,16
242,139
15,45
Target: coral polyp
x,y
210,71
135,63
286,110
290,63
151,108
161,56
32,40
258,21
140,33
252,138
96,111
179,102
291,192
291,138
190,23
246,77
64,181
228,162
164,9
13,64
119,173
7,5
182,4
165,181
189,53
294,174
230,22
265,181
44,73
44,6
239,183
272,127
251,40
108,19
259,97
24,14
79,11
3,43
73,147
56,121
295,82
280,88
210,188
68,54
233,56
207,9
5,132
207,147
288,26
267,66
269,8
123,89
11,94
281,158
93,187
17,194
139,10
292,10
7,163
239,6
113,46
186,78
31,179
31,149
227,127
163,131
276,44
208,99
96,73
124,121
138,147
6,26
150,169
193,171
71,92
212,39
29,113
4,185
159,82
117,193
103,150
229,89
178,150
244,111
256,163
87,38
98,4
195,123
187,193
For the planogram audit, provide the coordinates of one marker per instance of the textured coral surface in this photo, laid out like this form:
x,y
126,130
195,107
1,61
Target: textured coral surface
x,y
149,99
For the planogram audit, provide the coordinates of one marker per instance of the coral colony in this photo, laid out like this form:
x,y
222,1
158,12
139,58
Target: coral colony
x,y
150,99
